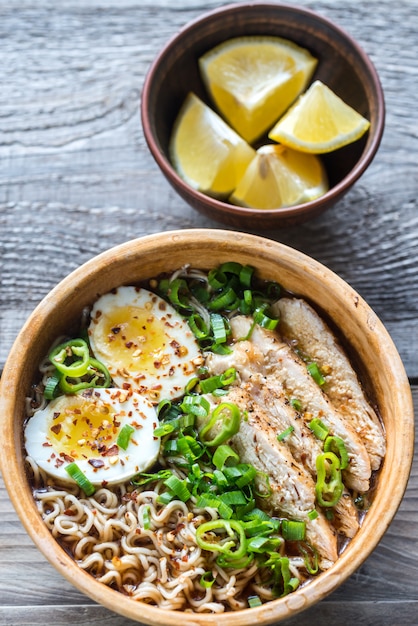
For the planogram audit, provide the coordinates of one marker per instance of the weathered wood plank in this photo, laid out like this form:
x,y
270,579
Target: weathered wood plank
x,y
76,178
335,613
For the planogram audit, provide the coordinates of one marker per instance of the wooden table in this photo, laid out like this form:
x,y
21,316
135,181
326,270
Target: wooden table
x,y
76,178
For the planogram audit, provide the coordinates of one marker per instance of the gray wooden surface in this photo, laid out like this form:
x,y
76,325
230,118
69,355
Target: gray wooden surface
x,y
76,178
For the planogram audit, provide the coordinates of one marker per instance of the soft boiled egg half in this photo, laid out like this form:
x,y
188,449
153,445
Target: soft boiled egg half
x,y
144,343
85,429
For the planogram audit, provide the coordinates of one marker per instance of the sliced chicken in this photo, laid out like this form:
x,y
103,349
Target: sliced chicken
x,y
302,443
291,488
287,369
300,323
267,392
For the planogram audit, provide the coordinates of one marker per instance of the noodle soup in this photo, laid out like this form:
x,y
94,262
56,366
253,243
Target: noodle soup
x,y
197,447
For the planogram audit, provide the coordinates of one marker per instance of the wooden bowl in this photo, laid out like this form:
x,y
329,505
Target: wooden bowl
x,y
364,334
342,65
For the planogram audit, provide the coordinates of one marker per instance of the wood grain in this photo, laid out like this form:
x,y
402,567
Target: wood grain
x,y
76,178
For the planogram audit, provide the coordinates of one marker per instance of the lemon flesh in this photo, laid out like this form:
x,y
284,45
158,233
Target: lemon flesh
x,y
278,177
253,80
319,122
205,151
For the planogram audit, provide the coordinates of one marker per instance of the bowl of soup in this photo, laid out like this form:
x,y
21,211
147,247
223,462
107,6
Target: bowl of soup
x,y
205,441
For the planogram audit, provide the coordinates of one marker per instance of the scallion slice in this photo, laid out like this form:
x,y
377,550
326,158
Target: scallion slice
x,y
124,436
224,300
264,320
254,601
178,487
315,372
224,453
318,428
51,387
289,430
81,479
293,530
198,326
146,518
218,327
163,429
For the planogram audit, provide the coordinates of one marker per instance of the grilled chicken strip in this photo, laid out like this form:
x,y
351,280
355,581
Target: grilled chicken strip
x,y
292,489
267,392
302,443
299,322
287,369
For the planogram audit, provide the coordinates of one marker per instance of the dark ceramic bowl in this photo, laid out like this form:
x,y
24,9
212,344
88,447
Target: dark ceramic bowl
x,y
342,65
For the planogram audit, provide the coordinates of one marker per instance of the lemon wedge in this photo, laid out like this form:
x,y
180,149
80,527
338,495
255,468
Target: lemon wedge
x,y
318,122
205,151
253,80
279,177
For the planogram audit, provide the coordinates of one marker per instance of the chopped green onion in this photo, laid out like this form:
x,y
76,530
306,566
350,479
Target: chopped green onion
x,y
315,372
179,294
165,498
213,502
264,320
231,267
143,479
310,556
246,275
289,430
52,386
218,327
313,514
164,429
293,530
217,279
233,498
178,487
296,404
264,544
248,473
224,453
146,519
197,405
198,326
124,436
190,448
208,385
254,601
224,300
318,428
81,479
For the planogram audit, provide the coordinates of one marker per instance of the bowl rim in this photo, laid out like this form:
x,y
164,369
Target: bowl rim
x,y
314,206
274,610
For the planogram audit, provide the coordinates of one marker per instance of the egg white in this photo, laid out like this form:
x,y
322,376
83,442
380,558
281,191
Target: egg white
x,y
144,343
84,428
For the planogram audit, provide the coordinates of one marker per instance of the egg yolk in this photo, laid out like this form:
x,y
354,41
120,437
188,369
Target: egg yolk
x,y
134,339
83,429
